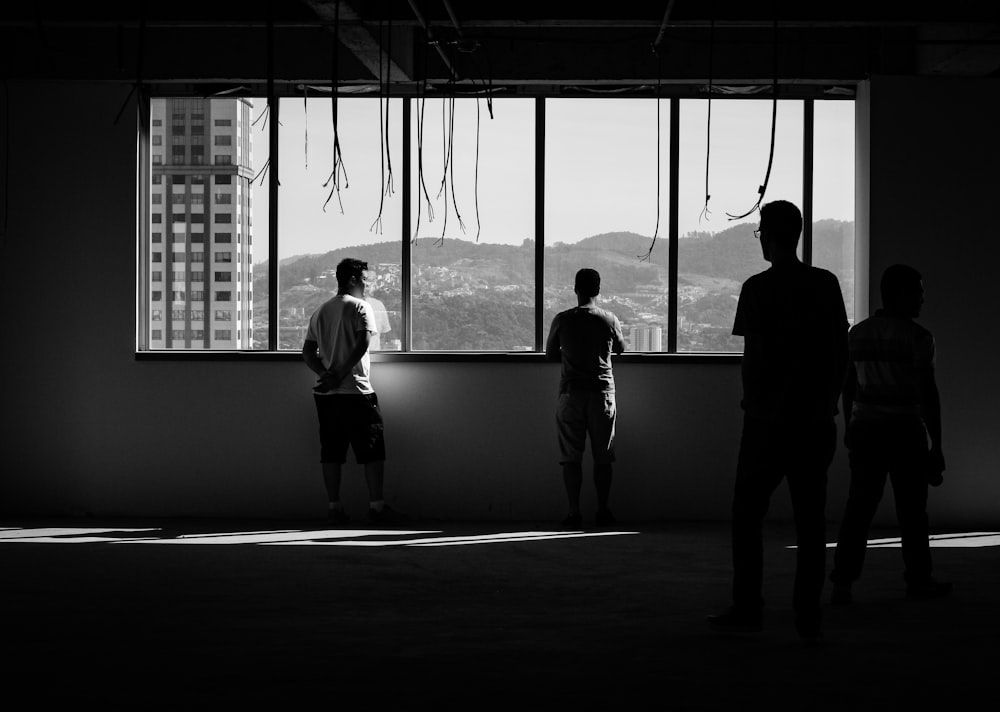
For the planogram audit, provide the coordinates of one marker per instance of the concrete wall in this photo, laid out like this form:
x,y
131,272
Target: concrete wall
x,y
89,429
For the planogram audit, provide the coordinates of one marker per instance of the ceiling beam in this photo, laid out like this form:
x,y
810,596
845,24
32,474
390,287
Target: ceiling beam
x,y
354,34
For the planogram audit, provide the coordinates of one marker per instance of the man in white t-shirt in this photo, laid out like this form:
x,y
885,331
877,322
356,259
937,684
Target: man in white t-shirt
x,y
336,349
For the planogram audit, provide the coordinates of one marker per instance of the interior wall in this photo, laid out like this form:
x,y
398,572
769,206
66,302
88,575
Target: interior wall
x,y
88,429
934,154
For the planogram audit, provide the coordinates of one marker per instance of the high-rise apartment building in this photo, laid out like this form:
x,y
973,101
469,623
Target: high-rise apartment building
x,y
646,337
200,251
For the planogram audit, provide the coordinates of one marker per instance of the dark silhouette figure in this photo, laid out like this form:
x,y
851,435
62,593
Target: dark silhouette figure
x,y
583,339
891,406
336,349
794,325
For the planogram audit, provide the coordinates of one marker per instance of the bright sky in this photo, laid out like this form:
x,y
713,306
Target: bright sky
x,y
601,168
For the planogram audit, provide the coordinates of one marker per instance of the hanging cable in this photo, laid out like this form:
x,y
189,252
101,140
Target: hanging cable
x,y
383,137
421,185
475,183
774,117
305,121
137,87
338,160
659,76
705,212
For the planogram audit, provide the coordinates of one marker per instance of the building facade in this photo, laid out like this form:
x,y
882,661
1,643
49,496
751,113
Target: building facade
x,y
200,251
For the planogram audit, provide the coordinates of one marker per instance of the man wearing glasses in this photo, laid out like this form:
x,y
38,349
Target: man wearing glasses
x,y
794,324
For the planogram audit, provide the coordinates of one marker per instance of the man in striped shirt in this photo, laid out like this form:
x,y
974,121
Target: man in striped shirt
x,y
891,408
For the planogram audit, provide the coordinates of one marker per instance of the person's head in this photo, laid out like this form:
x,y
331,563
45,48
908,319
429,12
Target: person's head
x,y
587,284
902,290
780,228
351,276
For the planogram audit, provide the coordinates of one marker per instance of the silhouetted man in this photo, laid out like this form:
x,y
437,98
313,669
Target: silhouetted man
x,y
891,405
583,339
794,325
336,349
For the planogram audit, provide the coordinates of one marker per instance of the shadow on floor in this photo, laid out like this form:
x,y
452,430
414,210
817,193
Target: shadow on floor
x,y
182,614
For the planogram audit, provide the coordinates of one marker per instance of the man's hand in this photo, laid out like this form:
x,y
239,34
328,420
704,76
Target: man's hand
x,y
328,381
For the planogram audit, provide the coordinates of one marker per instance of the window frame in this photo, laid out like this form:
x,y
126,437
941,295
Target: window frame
x,y
146,159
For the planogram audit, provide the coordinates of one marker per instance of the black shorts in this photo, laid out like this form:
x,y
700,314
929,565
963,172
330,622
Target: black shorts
x,y
350,420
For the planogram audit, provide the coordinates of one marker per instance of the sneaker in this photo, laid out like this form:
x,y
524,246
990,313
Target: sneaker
x,y
572,521
929,588
337,516
604,518
736,620
842,595
387,515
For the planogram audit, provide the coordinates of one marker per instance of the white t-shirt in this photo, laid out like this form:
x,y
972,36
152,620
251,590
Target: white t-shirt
x,y
335,327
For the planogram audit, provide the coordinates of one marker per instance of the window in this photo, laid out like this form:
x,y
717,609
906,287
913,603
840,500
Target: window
x,y
157,334
224,334
178,314
156,296
156,314
157,140
479,273
157,257
197,314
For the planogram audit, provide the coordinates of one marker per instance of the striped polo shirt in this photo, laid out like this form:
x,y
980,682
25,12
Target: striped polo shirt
x,y
891,354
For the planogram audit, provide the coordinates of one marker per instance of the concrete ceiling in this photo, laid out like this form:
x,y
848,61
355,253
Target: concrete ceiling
x,y
515,45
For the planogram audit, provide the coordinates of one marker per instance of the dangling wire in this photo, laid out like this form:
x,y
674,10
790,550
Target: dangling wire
x,y
305,121
774,116
705,212
421,185
383,88
338,160
451,164
659,77
475,184
137,87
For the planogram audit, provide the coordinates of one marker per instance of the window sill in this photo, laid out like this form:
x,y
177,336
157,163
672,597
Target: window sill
x,y
435,357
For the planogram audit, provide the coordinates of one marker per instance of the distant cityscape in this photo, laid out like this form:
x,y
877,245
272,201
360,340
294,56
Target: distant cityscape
x,y
204,290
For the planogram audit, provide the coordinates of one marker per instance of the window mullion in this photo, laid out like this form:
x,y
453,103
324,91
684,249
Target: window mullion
x,y
673,225
405,255
539,223
807,180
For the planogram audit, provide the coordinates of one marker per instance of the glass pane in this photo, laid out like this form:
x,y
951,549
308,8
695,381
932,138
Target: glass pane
x,y
320,225
717,250
601,208
473,259
200,257
833,196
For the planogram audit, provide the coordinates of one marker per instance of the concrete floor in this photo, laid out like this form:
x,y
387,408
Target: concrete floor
x,y
179,615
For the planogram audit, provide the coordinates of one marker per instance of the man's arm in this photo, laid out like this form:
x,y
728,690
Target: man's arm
x,y
337,372
553,351
847,397
310,354
618,340
930,407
